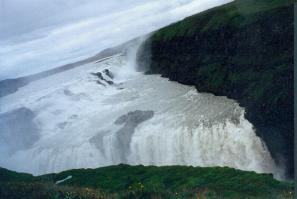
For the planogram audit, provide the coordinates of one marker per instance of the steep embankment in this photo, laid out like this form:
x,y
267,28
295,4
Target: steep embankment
x,y
144,182
243,50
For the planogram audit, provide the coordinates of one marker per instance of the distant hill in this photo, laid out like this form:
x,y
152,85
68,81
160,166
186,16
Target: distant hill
x,y
9,86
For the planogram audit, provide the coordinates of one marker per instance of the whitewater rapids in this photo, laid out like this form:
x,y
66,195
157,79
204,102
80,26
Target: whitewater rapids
x,y
104,113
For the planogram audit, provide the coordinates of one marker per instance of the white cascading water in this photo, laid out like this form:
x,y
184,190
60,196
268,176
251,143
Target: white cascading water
x,y
85,119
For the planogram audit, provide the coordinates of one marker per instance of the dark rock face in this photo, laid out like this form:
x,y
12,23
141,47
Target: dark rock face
x,y
18,130
242,50
100,77
108,73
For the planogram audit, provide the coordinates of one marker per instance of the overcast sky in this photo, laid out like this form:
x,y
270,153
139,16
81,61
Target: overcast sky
x,y
37,35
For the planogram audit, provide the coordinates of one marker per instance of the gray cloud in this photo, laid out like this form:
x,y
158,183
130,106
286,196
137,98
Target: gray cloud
x,y
37,35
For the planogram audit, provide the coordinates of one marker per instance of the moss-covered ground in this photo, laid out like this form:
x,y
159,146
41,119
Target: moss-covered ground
x,y
130,182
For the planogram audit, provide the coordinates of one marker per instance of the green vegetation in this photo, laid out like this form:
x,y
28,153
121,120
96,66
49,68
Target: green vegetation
x,y
242,50
9,176
237,14
130,182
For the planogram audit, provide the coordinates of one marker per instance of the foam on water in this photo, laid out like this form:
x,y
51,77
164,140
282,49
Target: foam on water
x,y
85,122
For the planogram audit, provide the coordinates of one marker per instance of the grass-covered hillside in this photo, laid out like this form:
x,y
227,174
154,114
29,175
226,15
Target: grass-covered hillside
x,y
243,50
122,181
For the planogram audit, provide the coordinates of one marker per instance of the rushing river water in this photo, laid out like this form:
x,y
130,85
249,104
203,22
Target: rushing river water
x,y
105,113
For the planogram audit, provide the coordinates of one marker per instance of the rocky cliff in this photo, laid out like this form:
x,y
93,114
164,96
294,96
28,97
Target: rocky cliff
x,y
242,50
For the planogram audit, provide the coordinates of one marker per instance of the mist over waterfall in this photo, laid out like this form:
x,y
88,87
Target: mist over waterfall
x,y
107,113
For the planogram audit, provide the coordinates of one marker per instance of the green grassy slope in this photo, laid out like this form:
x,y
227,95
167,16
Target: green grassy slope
x,y
243,50
124,181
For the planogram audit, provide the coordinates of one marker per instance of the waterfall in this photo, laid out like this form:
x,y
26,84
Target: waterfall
x,y
105,113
